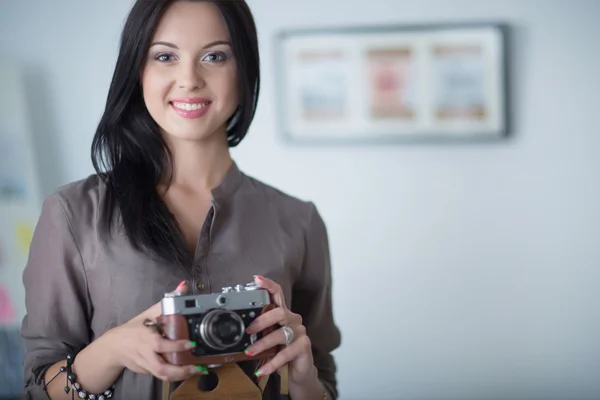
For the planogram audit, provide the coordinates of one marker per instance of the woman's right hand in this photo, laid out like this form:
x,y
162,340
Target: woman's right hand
x,y
138,348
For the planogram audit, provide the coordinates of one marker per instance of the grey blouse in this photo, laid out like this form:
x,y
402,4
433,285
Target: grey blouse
x,y
80,283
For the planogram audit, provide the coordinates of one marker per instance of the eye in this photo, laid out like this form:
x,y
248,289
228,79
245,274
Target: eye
x,y
164,57
215,57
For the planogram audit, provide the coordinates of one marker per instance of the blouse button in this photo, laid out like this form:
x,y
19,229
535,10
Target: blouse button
x,y
200,286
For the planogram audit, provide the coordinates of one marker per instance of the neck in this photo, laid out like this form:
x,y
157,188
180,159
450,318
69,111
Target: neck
x,y
199,166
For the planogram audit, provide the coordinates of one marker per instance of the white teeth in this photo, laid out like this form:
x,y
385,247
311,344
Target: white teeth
x,y
190,107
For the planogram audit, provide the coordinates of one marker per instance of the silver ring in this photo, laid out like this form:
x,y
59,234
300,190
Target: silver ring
x,y
289,334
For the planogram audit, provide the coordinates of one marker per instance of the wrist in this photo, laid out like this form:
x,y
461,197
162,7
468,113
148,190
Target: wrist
x,y
95,368
108,343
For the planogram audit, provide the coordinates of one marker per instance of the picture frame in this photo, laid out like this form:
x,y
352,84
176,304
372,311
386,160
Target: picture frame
x,y
431,82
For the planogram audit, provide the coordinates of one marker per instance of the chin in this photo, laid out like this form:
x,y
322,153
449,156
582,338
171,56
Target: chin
x,y
189,136
199,134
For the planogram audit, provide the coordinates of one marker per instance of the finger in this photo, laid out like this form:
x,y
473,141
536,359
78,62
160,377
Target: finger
x,y
168,372
171,373
155,365
286,355
162,345
279,315
182,287
273,339
273,288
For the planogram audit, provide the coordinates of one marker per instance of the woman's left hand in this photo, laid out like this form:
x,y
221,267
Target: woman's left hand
x,y
298,353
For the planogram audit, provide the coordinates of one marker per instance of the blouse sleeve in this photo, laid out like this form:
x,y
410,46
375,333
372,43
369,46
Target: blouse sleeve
x,y
311,299
57,301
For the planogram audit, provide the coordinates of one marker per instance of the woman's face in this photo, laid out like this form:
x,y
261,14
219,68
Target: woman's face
x,y
189,79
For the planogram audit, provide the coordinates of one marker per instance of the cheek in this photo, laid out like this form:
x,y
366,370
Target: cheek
x,y
229,85
155,87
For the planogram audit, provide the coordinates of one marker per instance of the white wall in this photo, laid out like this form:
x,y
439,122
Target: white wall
x,y
483,260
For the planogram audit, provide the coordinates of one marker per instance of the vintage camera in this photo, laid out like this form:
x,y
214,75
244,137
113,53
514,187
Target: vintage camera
x,y
216,322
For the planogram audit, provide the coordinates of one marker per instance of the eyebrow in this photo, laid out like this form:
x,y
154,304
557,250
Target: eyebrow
x,y
211,44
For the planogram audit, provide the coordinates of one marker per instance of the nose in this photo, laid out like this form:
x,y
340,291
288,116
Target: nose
x,y
189,77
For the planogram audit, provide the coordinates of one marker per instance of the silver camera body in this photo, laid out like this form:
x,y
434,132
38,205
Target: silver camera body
x,y
237,297
217,322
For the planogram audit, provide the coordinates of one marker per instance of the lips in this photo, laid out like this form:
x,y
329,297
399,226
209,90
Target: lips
x,y
190,108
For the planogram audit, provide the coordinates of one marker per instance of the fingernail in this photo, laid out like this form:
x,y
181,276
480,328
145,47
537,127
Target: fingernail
x,y
202,369
260,278
249,331
248,352
181,284
259,373
190,345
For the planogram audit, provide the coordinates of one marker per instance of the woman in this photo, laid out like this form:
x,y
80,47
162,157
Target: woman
x,y
169,204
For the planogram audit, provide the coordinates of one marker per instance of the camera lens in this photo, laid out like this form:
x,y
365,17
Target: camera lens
x,y
222,329
226,329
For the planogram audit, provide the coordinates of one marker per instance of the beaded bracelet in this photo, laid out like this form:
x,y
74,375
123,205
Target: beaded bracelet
x,y
76,387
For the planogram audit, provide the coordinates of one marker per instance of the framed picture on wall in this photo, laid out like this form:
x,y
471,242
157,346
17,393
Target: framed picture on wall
x,y
385,84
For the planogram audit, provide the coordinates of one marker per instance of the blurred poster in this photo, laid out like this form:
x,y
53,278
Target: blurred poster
x,y
460,76
391,83
13,179
7,311
396,84
23,237
19,206
323,91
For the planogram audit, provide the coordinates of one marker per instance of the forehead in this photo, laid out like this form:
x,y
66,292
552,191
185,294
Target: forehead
x,y
191,23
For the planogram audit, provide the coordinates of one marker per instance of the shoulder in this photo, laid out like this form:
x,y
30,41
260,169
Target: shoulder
x,y
287,206
79,199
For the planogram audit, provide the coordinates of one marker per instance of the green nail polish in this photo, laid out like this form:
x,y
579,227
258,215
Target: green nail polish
x,y
258,373
202,368
193,344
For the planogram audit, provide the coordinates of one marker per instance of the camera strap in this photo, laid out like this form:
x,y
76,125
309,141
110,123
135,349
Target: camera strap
x,y
283,374
283,382
166,390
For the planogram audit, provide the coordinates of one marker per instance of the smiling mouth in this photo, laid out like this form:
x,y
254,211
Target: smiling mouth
x,y
190,106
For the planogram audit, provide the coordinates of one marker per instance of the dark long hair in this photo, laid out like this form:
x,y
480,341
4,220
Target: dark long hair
x,y
128,151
